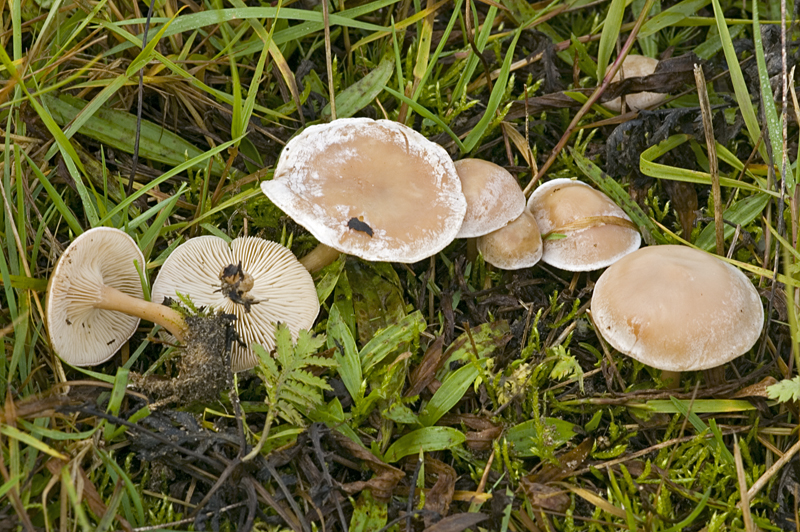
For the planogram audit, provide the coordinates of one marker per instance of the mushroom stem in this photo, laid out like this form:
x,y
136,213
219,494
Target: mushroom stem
x,y
671,379
319,257
171,320
472,249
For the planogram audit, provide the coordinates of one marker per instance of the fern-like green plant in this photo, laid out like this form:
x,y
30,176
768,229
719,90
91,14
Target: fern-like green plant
x,y
291,387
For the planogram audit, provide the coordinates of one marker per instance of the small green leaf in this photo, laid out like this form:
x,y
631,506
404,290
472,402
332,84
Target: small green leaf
x,y
428,439
362,92
785,391
449,393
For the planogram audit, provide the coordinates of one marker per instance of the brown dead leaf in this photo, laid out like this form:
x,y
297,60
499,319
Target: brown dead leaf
x,y
440,496
426,371
386,477
758,389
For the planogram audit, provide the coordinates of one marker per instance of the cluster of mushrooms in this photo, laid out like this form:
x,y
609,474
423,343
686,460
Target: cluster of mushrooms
x,y
381,191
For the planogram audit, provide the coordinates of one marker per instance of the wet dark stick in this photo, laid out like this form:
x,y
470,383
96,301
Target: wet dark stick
x,y
135,162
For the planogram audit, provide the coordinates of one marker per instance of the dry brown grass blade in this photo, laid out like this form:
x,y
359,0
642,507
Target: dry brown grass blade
x,y
713,165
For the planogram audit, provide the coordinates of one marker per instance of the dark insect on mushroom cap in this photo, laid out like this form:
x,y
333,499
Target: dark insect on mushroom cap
x,y
358,224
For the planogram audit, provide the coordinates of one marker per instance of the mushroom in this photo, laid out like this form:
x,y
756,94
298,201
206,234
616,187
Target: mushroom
x,y
258,281
635,66
677,309
95,298
583,230
515,246
376,189
494,199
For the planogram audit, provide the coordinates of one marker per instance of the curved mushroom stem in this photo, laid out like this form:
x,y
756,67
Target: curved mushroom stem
x,y
319,257
171,320
671,379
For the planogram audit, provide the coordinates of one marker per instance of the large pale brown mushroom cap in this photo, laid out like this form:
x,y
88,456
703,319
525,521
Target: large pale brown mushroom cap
x,y
283,289
596,231
356,176
515,246
494,197
636,66
677,309
80,333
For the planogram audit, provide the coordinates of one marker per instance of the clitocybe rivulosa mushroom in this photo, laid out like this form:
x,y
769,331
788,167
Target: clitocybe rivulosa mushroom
x,y
258,281
677,309
95,298
375,189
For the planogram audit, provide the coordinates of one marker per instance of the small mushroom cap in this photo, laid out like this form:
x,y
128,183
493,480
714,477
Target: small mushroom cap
x,y
371,188
283,287
81,334
678,309
596,231
515,246
636,66
493,197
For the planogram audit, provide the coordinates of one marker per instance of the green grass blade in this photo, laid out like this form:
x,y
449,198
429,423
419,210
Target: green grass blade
x,y
774,123
498,91
608,39
739,86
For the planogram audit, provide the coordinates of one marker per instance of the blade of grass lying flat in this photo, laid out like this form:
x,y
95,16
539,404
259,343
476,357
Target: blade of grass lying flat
x,y
27,439
361,93
614,190
498,91
428,439
739,86
609,36
662,171
522,437
742,212
413,19
774,123
212,17
20,282
116,129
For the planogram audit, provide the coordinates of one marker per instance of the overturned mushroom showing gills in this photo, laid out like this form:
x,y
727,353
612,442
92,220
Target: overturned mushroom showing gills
x,y
515,246
95,299
258,281
636,66
375,189
677,309
583,229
